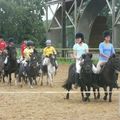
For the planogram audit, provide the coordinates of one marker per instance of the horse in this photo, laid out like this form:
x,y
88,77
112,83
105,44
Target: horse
x,y
31,70
48,68
108,76
85,81
86,78
2,58
12,65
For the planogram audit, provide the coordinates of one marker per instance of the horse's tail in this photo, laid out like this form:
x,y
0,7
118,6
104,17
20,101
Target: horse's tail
x,y
70,80
67,85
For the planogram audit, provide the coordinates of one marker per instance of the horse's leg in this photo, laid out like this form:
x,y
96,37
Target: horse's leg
x,y
3,78
110,94
25,79
19,80
98,96
35,80
85,89
106,93
10,78
88,94
68,95
94,90
41,80
31,83
82,94
50,79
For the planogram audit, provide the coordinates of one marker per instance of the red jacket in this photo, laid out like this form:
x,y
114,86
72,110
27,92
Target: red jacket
x,y
23,46
3,45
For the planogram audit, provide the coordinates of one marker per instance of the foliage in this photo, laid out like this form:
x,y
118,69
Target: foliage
x,y
22,19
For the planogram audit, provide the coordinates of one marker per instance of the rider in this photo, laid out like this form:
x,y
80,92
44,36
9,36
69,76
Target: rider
x,y
23,47
10,43
27,54
28,50
3,44
79,49
50,50
106,50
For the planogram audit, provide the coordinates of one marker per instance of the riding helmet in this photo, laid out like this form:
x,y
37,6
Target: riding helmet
x,y
79,35
11,39
29,43
48,42
106,34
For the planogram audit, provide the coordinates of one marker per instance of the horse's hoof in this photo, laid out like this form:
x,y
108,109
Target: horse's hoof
x,y
110,100
105,98
41,84
98,97
31,87
85,99
88,100
95,98
66,98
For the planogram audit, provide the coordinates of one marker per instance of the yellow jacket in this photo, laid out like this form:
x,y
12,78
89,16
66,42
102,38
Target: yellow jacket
x,y
47,51
27,53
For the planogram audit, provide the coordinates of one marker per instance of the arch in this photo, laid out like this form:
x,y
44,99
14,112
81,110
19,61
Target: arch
x,y
98,27
87,19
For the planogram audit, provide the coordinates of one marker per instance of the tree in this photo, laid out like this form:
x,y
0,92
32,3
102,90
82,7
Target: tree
x,y
22,18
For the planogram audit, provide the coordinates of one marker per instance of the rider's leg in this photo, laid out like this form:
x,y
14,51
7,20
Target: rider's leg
x,y
56,64
77,75
6,60
97,69
25,67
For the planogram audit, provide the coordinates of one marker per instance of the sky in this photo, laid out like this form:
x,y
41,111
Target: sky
x,y
50,14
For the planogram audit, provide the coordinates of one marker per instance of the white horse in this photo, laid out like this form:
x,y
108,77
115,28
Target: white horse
x,y
49,63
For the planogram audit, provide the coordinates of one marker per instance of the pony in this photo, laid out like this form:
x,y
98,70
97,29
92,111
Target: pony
x,y
31,70
12,66
107,78
48,68
85,81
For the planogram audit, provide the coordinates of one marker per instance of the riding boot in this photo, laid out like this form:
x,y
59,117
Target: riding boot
x,y
56,65
76,80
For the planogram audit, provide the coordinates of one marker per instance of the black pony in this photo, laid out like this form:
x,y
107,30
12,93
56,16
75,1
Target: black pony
x,y
85,81
31,70
108,76
2,59
12,65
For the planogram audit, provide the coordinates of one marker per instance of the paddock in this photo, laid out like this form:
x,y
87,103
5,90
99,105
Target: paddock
x,y
46,103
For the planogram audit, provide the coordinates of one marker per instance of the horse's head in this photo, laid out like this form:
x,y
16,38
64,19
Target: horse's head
x,y
33,62
114,62
86,66
49,60
12,53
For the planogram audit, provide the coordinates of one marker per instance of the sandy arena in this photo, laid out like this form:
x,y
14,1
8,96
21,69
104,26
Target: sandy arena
x,y
41,106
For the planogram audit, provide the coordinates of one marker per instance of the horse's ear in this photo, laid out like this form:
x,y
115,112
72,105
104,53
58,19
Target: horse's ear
x,y
90,54
84,56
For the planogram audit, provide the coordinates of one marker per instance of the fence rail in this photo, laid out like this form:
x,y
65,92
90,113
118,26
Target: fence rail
x,y
69,51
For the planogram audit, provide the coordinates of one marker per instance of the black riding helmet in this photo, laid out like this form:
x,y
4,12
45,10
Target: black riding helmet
x,y
11,39
79,35
106,34
30,43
